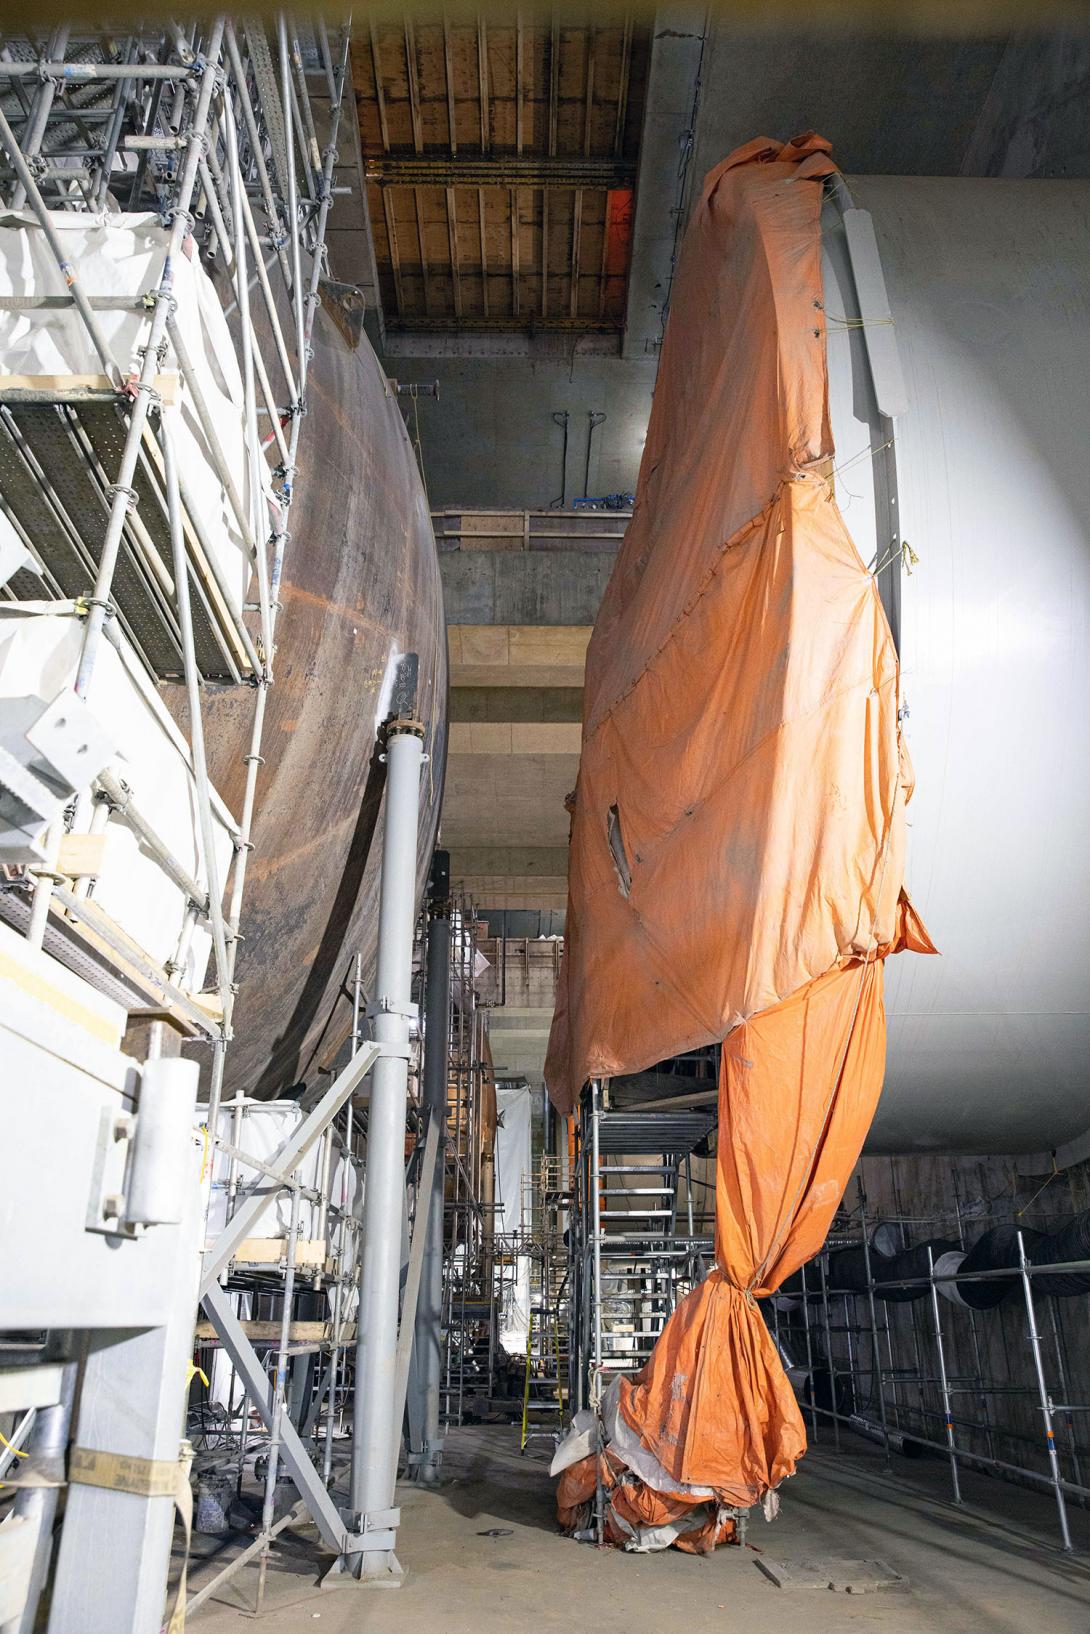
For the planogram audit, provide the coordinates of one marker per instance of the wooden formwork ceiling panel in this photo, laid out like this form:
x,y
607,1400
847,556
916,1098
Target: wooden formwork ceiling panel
x,y
501,158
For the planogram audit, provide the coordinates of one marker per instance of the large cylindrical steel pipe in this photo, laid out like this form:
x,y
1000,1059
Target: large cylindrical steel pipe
x,y
988,286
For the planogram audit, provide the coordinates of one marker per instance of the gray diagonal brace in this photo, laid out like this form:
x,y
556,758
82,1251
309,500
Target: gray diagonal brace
x,y
308,1481
373,1537
290,1155
416,1265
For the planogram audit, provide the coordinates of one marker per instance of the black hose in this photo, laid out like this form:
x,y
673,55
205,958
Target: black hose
x,y
997,1250
910,1265
1071,1242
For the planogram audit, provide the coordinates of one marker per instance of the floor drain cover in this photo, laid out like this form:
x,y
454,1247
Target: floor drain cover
x,y
844,1576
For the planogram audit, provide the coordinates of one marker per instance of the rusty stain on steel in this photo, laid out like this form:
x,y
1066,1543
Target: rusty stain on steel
x,y
361,583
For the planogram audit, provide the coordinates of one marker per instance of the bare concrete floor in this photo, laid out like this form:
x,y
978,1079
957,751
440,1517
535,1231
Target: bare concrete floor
x,y
988,1568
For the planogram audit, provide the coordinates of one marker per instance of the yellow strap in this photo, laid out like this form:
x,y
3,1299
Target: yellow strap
x,y
192,1371
118,1472
183,1503
145,1478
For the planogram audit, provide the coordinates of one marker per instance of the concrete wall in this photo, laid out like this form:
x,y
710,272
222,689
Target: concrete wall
x,y
1036,117
524,587
490,439
958,1200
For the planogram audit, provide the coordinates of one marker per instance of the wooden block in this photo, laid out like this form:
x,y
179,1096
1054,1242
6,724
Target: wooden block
x,y
64,384
299,1333
82,854
272,1250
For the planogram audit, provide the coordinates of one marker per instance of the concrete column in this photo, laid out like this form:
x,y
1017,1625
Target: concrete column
x,y
374,1430
425,1439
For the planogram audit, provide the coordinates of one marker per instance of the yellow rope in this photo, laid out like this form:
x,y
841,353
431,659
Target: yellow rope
x,y
10,1448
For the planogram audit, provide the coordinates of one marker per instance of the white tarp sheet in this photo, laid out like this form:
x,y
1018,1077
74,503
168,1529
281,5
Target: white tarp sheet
x,y
114,255
38,656
260,1129
512,1168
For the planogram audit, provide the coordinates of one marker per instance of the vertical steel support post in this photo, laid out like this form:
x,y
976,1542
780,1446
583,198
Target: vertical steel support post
x,y
596,1228
43,101
829,1358
1043,1396
974,1332
809,1352
1061,1379
947,1411
876,1353
36,1506
424,1385
374,1432
272,1458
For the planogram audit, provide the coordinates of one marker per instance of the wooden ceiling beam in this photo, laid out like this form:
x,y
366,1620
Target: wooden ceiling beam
x,y
484,251
556,104
603,272
455,265
414,88
482,82
519,44
423,249
622,89
380,95
499,170
448,65
395,258
554,83
588,141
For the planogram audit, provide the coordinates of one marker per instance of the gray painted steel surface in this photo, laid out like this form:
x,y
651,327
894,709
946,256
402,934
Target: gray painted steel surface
x,y
989,290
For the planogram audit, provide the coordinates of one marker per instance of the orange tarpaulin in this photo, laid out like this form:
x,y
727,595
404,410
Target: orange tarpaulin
x,y
737,849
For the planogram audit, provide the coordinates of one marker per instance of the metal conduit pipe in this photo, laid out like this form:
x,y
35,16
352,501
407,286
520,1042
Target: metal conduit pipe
x,y
37,1505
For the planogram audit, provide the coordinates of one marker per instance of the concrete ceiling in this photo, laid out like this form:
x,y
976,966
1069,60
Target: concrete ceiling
x,y
500,159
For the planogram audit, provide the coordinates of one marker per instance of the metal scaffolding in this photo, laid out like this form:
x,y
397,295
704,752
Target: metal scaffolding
x,y
473,1251
216,141
210,130
922,1364
541,1241
632,1256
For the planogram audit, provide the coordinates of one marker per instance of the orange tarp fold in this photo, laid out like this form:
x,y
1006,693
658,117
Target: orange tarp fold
x,y
797,1089
739,814
738,830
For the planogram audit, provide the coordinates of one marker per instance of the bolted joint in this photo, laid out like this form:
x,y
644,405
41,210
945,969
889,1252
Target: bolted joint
x,y
392,1007
405,726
